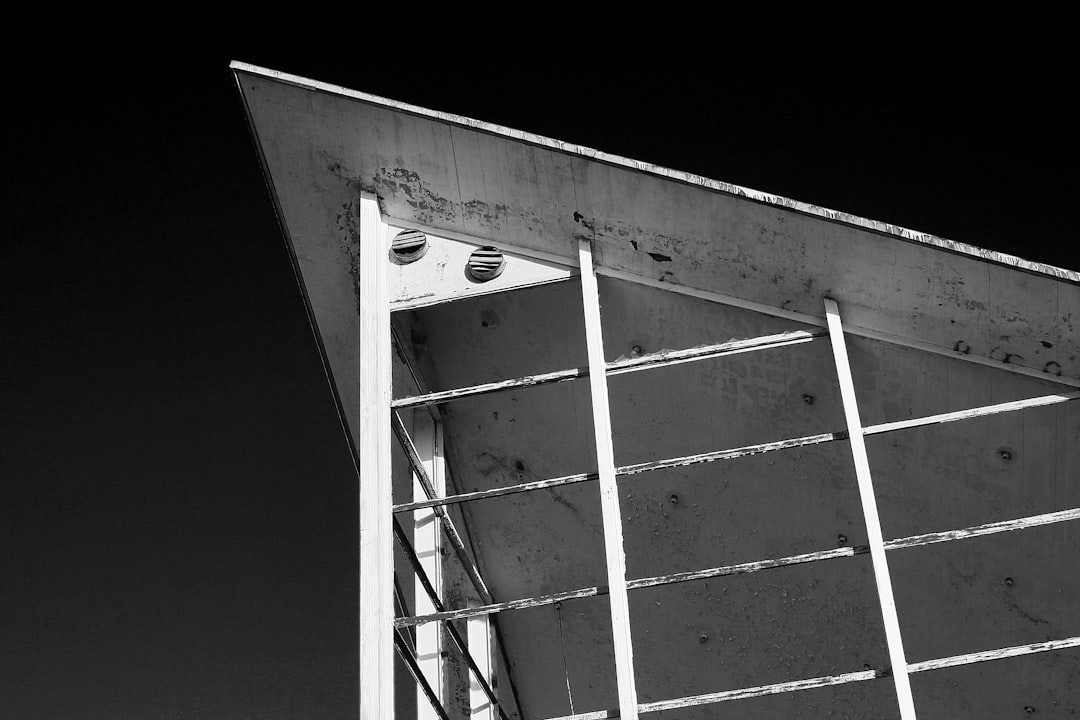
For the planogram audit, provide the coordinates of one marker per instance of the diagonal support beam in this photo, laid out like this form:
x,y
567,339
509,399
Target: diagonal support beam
x,y
448,526
426,539
479,677
609,495
870,514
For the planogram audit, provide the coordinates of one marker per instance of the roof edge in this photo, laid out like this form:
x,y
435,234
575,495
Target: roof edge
x,y
903,233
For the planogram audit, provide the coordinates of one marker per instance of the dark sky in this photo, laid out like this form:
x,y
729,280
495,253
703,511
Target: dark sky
x,y
177,508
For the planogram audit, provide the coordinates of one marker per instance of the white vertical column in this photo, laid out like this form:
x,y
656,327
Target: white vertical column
x,y
376,505
609,495
479,642
427,542
870,514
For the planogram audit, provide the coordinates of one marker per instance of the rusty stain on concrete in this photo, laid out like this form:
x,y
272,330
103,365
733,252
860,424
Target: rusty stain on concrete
x,y
429,208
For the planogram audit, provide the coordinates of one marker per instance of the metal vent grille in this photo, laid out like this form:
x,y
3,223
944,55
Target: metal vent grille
x,y
409,246
486,263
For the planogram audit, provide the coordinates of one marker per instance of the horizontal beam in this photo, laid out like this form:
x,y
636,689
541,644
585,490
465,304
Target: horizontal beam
x,y
491,609
1040,401
667,358
746,450
497,492
988,529
627,470
868,333
445,396
731,453
999,654
897,544
755,566
761,691
747,567
841,679
663,358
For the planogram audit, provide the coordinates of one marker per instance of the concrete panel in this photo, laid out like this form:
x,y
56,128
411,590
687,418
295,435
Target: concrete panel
x,y
774,626
1039,686
788,624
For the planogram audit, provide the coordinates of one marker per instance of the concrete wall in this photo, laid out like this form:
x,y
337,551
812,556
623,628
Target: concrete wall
x,y
783,624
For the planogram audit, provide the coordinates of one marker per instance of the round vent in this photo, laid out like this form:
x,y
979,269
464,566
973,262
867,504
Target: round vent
x,y
486,263
409,246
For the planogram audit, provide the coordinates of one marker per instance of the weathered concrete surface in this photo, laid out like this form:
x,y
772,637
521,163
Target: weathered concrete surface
x,y
434,172
783,624
322,149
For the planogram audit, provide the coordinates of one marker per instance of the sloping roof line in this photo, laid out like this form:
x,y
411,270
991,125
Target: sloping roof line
x,y
676,175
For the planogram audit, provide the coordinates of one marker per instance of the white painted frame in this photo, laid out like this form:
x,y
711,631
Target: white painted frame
x,y
479,641
376,609
609,494
870,514
427,544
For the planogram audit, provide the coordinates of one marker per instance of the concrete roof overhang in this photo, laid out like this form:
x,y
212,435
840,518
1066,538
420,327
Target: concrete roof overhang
x,y
452,173
937,326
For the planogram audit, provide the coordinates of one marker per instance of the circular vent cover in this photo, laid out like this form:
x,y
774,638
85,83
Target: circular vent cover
x,y
486,263
409,246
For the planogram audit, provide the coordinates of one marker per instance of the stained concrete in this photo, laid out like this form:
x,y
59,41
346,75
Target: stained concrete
x,y
322,148
497,185
782,624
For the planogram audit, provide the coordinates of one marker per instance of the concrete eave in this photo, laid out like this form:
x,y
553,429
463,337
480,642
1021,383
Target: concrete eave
x,y
322,145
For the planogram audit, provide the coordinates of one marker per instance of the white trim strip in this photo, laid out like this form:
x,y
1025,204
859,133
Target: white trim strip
x,y
999,654
1040,401
662,358
870,514
376,608
988,529
868,333
755,566
427,545
609,494
759,691
758,449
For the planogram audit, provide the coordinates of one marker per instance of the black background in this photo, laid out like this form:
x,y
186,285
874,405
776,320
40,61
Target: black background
x,y
177,505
